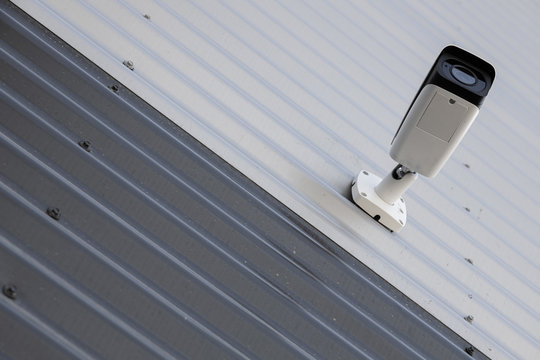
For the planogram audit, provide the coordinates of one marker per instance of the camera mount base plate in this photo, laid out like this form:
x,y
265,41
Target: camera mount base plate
x,y
392,216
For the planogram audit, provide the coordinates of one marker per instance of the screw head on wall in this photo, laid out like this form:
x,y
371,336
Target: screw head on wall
x,y
10,291
129,64
54,213
86,145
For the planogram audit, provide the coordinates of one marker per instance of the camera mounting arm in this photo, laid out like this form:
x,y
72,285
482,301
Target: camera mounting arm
x,y
381,199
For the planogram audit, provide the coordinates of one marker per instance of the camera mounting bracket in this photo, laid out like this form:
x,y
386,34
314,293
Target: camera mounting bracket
x,y
381,199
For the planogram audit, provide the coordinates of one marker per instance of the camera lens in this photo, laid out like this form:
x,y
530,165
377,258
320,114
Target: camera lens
x,y
463,75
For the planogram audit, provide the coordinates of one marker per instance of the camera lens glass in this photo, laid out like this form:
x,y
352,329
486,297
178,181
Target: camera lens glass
x,y
463,75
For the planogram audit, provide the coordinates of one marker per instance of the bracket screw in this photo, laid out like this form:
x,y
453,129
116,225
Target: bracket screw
x,y
10,291
54,213
469,318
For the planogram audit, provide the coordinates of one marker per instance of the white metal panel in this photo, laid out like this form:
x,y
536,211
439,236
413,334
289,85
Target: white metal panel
x,y
300,95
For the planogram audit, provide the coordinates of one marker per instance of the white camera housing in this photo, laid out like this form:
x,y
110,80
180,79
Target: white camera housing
x,y
433,128
437,120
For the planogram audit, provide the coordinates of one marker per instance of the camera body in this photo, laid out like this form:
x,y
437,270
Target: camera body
x,y
439,116
442,111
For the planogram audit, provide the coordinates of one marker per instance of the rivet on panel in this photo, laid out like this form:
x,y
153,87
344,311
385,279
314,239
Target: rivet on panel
x,y
146,16
10,291
469,350
54,213
469,318
114,88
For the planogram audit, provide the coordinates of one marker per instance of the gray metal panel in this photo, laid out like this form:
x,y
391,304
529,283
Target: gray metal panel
x,y
161,248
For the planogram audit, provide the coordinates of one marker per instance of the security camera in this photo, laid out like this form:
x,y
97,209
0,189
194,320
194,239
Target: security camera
x,y
435,123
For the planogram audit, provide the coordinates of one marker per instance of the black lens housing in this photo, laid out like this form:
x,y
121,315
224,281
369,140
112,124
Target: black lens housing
x,y
454,70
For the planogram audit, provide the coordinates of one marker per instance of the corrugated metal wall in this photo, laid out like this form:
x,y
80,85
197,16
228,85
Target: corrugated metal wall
x,y
122,237
301,95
